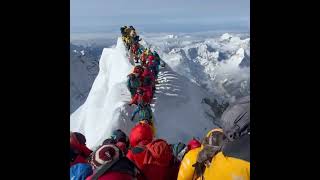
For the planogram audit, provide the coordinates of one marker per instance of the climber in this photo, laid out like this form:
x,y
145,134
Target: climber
x,y
144,55
133,82
147,78
122,30
132,28
138,70
147,72
120,139
133,33
80,171
233,161
134,50
211,145
127,39
143,59
128,42
148,87
151,64
140,98
178,150
109,163
127,31
140,51
152,156
79,152
144,111
136,39
119,136
187,170
148,82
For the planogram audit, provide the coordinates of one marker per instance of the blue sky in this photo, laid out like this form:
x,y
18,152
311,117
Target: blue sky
x,y
160,15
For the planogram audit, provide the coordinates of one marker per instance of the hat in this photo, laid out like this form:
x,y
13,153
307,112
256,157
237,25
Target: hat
x,y
193,143
108,141
140,132
77,138
104,154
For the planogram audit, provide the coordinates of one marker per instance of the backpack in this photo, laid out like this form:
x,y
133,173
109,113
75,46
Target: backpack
x,y
157,152
157,159
212,144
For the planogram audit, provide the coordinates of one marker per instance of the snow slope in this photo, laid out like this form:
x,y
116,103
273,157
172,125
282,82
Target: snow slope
x,y
178,108
99,115
179,111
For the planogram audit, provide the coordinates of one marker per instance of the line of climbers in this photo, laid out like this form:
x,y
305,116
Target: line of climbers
x,y
141,82
224,153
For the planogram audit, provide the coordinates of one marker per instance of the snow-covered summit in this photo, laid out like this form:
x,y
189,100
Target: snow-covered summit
x,y
199,71
177,104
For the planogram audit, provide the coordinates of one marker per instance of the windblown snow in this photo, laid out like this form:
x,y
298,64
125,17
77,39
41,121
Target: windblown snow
x,y
212,68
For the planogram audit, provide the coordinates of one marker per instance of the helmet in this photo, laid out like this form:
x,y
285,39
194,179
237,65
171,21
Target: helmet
x,y
78,137
236,119
140,132
193,143
109,141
